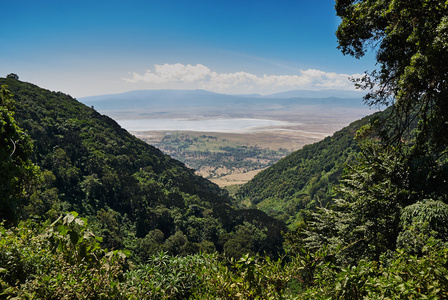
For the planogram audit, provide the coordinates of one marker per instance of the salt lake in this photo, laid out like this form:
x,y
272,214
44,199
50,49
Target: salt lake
x,y
206,125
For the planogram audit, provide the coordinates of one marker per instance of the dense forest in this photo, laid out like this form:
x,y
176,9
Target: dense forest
x,y
91,212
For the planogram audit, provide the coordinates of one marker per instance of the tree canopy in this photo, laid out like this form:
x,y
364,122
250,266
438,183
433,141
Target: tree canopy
x,y
403,165
12,76
411,43
16,169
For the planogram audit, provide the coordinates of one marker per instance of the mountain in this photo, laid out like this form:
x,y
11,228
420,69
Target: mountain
x,y
137,197
317,94
157,99
168,99
304,179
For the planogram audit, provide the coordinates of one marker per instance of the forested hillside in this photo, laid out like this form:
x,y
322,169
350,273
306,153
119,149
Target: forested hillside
x,y
306,178
136,197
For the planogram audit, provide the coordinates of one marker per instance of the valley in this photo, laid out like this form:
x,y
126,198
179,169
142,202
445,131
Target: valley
x,y
228,139
228,158
189,181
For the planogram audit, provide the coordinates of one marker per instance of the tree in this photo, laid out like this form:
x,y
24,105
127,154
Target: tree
x,y
411,43
423,222
16,170
403,156
13,76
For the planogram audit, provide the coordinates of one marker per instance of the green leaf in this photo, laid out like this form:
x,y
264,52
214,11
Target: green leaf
x,y
62,229
74,237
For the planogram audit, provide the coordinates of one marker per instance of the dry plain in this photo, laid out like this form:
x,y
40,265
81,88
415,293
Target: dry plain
x,y
302,127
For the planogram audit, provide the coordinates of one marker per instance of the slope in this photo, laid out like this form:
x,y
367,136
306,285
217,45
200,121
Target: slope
x,y
305,178
137,197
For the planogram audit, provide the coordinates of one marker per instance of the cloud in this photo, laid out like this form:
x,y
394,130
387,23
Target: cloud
x,y
201,77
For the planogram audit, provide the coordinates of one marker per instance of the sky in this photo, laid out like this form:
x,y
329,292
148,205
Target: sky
x,y
94,47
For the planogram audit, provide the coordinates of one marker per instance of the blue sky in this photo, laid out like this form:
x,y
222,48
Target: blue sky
x,y
99,47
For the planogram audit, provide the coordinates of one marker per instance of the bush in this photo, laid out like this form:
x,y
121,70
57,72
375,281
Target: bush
x,y
58,261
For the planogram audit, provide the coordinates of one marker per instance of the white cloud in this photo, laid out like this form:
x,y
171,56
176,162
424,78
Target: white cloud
x,y
172,73
201,77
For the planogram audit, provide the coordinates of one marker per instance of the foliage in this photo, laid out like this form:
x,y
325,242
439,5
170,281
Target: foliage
x,y
48,262
12,76
307,275
374,212
36,265
423,222
17,172
394,169
375,191
410,39
248,278
435,213
400,276
69,235
167,277
207,276
63,260
387,232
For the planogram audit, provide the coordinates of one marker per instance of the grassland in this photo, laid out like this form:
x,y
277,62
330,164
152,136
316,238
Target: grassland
x,y
229,158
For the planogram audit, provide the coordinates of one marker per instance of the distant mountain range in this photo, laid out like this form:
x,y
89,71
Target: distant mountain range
x,y
166,99
314,94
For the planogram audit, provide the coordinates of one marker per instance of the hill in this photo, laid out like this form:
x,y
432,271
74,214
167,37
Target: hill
x,y
304,178
137,197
